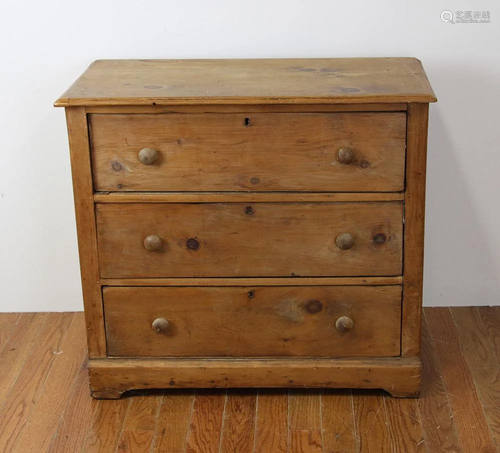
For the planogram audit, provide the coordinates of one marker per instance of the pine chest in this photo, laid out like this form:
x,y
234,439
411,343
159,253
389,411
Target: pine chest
x,y
251,223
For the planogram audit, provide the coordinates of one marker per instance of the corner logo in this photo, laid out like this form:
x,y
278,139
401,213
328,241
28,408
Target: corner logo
x,y
465,17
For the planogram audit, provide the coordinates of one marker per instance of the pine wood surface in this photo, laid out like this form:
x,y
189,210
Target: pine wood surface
x,y
250,240
222,152
45,405
217,322
266,81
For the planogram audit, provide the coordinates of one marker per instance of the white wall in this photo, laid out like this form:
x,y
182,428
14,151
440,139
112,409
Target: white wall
x,y
46,45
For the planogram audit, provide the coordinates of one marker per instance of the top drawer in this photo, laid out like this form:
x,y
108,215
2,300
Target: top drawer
x,y
252,152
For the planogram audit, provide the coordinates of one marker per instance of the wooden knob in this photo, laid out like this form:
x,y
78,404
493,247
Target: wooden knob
x,y
153,243
160,325
344,241
346,156
344,324
148,156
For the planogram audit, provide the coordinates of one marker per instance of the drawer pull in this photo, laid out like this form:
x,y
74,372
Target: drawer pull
x,y
153,243
346,156
148,156
160,325
344,324
344,241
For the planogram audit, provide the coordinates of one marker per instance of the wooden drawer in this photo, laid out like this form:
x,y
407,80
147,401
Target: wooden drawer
x,y
258,322
249,152
249,240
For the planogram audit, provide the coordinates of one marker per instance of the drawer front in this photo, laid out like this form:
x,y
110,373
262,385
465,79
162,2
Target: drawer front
x,y
253,152
324,321
250,240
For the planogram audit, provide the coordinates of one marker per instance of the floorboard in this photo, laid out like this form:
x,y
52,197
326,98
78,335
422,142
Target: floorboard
x,y
466,406
45,404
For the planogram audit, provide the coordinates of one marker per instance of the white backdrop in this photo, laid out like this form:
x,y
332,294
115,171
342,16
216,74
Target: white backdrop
x,y
46,45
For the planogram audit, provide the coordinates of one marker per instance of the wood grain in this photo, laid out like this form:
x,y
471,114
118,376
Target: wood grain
x,y
271,431
45,415
238,433
78,415
219,152
482,362
396,375
206,422
436,415
244,197
259,281
236,240
19,400
174,421
337,421
8,322
290,321
413,265
305,421
14,352
106,426
466,406
140,423
268,81
491,321
405,426
86,229
468,350
370,423
248,108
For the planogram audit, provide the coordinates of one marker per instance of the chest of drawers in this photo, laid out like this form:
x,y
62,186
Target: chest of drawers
x,y
251,223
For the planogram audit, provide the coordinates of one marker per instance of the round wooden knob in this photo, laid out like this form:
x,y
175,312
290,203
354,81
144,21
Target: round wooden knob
x,y
346,156
148,156
344,241
344,324
160,325
153,243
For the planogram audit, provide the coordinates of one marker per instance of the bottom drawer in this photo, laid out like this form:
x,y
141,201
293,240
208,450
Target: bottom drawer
x,y
317,321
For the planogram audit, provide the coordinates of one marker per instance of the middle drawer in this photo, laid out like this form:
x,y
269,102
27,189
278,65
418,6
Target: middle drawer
x,y
249,240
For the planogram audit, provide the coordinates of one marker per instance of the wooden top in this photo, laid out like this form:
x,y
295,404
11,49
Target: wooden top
x,y
270,81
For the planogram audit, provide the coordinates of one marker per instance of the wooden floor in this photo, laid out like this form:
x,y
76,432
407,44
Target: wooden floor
x,y
45,403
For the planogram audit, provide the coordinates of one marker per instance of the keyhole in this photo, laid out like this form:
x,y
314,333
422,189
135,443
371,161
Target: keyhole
x,y
246,122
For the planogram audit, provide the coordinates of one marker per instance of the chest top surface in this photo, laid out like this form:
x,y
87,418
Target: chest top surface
x,y
250,81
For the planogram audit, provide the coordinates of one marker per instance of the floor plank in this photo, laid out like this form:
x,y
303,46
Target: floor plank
x,y
239,422
370,422
405,425
439,428
140,422
43,420
46,404
271,431
77,417
305,421
482,362
17,348
8,324
172,428
337,421
16,408
206,422
491,320
466,407
106,427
